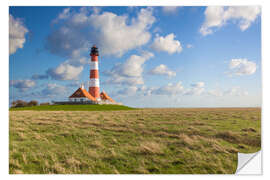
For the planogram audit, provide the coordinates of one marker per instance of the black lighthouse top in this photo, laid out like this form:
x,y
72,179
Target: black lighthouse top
x,y
94,51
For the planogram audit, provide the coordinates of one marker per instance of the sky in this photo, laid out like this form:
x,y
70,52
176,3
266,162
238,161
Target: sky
x,y
149,56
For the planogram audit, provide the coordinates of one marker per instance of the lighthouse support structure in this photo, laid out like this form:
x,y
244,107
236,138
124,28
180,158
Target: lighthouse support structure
x,y
94,75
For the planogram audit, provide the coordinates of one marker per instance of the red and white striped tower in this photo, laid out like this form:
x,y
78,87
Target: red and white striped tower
x,y
94,78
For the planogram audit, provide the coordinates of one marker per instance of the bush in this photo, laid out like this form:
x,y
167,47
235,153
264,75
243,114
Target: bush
x,y
19,103
44,104
32,103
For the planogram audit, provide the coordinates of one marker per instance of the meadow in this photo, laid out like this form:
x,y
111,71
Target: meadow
x,y
78,107
138,141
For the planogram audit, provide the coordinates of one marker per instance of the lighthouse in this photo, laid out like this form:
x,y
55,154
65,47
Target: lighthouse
x,y
92,96
94,76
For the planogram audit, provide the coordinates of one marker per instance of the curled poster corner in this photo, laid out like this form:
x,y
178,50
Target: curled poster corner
x,y
249,163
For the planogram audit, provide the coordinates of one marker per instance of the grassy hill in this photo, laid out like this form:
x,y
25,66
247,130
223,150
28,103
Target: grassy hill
x,y
141,141
84,107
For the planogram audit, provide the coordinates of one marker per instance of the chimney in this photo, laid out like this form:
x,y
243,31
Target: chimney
x,y
94,77
82,86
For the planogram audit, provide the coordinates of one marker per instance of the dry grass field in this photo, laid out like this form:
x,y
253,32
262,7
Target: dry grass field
x,y
175,141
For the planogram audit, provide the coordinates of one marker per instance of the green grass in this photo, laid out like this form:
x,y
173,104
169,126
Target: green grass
x,y
86,107
141,141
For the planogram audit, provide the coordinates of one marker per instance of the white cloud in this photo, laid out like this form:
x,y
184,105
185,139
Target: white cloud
x,y
53,90
234,91
78,61
129,72
174,89
218,16
242,67
169,89
162,70
17,32
124,80
128,91
196,89
63,15
65,71
167,44
114,34
68,70
146,91
22,85
170,9
133,66
67,42
215,92
198,85
177,90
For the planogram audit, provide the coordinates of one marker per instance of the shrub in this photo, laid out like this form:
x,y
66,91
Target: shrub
x,y
44,104
13,104
32,103
19,103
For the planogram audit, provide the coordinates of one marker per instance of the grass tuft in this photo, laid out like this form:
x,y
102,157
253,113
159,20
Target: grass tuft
x,y
228,136
150,148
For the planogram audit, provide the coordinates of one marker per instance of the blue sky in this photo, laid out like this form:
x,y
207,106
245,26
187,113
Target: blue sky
x,y
149,56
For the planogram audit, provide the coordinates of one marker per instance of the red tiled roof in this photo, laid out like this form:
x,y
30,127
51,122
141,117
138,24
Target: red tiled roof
x,y
104,96
79,93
